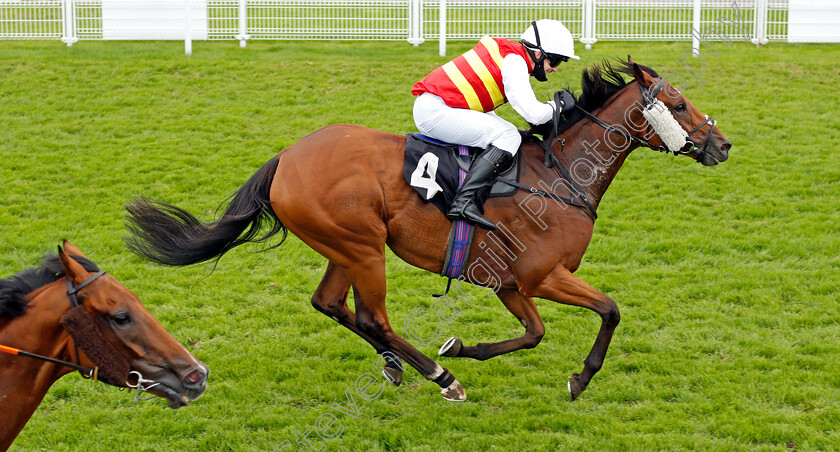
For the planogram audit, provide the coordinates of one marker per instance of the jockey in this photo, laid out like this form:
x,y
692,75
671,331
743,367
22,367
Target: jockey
x,y
455,103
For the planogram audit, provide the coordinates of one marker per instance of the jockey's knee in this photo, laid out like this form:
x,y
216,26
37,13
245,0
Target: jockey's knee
x,y
509,141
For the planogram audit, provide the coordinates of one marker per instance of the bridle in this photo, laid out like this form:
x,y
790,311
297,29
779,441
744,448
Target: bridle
x,y
74,302
649,96
689,148
87,372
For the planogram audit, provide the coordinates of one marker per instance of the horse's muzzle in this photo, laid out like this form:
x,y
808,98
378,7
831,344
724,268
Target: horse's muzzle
x,y
179,388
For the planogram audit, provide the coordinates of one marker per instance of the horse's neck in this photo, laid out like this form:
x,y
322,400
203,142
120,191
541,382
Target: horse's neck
x,y
25,381
590,158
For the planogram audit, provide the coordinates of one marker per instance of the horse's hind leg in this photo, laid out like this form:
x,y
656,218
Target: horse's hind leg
x,y
563,287
353,240
368,280
524,309
331,299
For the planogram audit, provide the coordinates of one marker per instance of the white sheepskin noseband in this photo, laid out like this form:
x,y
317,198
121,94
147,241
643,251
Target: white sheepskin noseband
x,y
665,125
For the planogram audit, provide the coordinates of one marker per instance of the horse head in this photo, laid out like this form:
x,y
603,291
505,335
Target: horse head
x,y
117,329
679,126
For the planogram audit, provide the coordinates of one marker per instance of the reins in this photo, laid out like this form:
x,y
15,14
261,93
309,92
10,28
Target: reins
x,y
551,160
86,372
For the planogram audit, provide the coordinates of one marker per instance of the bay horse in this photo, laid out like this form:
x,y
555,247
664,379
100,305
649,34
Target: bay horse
x,y
69,314
340,190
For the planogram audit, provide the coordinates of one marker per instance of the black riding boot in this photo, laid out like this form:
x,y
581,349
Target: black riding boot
x,y
482,173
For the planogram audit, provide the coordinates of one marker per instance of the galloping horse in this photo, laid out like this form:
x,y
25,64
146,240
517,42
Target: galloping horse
x,y
107,334
340,190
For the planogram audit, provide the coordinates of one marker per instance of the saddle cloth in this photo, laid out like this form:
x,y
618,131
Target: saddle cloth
x,y
431,169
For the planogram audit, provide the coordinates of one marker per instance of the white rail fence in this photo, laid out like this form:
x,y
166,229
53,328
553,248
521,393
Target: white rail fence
x,y
415,21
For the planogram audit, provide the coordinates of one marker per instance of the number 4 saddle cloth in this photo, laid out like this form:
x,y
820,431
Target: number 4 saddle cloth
x,y
435,170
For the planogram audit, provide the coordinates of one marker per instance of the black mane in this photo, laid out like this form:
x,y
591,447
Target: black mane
x,y
13,290
598,83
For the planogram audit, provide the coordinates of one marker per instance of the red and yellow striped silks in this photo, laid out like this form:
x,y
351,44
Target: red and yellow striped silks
x,y
474,79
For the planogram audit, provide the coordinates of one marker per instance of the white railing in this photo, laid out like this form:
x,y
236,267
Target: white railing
x,y
309,19
408,20
32,20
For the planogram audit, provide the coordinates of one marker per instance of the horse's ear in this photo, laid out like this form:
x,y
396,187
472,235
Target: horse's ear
x,y
71,248
72,269
641,76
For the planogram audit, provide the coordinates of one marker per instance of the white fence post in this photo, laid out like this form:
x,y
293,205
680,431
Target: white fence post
x,y
760,23
69,22
188,29
588,37
695,25
243,23
415,22
442,44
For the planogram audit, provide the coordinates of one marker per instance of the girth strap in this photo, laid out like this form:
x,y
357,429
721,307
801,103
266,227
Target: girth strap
x,y
460,238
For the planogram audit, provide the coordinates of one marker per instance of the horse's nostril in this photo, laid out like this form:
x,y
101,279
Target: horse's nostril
x,y
725,146
194,377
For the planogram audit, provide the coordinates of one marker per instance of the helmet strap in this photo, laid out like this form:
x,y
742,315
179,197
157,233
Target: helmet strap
x,y
539,67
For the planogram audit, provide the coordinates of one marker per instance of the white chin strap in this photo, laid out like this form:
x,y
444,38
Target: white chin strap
x,y
665,125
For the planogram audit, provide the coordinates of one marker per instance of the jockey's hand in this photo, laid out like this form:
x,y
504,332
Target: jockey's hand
x,y
565,99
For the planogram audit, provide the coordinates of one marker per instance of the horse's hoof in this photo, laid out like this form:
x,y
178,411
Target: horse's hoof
x,y
451,347
574,386
454,392
393,375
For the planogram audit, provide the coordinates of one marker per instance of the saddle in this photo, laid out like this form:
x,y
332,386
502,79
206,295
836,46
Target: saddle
x,y
435,170
431,168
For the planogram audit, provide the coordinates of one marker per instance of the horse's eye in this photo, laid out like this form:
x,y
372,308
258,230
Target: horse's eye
x,y
122,319
680,108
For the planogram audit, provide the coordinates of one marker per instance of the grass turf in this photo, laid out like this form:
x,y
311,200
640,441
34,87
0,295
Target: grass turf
x,y
727,277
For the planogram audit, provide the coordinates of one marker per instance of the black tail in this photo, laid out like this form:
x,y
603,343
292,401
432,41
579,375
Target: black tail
x,y
170,235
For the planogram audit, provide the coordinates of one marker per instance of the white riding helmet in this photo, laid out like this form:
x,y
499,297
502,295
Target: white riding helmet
x,y
554,38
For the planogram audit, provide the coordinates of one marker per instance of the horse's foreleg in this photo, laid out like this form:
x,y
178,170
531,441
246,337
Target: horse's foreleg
x,y
331,299
524,309
368,282
563,287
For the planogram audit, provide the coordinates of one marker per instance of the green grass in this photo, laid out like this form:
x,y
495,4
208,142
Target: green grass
x,y
727,277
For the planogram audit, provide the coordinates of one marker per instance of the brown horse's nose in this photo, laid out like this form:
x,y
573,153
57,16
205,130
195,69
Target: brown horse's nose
x,y
724,151
195,379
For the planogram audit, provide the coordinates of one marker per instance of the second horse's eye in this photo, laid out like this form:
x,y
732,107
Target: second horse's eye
x,y
680,108
122,319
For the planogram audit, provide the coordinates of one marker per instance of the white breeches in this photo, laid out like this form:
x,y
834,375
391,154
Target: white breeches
x,y
461,126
